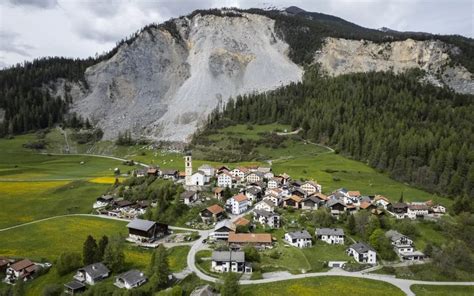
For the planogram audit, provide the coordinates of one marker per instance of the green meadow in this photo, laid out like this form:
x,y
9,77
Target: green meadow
x,y
426,290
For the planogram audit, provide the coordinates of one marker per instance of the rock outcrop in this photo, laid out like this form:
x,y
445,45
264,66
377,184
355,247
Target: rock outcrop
x,y
342,56
163,87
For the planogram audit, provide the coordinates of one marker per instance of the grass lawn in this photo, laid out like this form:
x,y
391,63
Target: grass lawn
x,y
425,272
205,264
425,290
323,286
177,257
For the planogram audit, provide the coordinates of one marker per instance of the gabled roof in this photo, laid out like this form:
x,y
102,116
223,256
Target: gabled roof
x,y
312,183
143,225
225,223
418,207
241,221
365,205
381,197
394,235
243,238
361,247
284,176
132,277
264,213
205,167
188,194
353,193
320,195
296,198
215,209
169,172
302,234
253,190
333,202
400,205
96,270
329,231
74,285
240,197
22,264
228,256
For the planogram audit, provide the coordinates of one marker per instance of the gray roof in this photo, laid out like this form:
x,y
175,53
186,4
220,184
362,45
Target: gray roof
x,y
334,201
314,199
205,166
302,234
269,202
203,291
95,270
187,194
224,223
361,247
169,172
132,277
394,235
253,190
226,256
143,225
74,285
329,231
264,213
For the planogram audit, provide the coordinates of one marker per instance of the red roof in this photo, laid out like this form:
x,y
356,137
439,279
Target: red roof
x,y
241,221
22,264
215,209
240,197
242,238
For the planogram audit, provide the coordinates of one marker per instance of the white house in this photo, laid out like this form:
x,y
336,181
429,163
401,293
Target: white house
x,y
273,183
207,170
331,235
239,172
198,178
362,253
224,180
254,177
230,261
222,229
381,201
238,204
103,201
267,218
91,274
22,269
401,243
300,239
252,193
416,210
438,209
130,279
189,197
311,187
265,205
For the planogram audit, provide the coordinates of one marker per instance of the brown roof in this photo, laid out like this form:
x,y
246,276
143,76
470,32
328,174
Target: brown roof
x,y
381,197
353,193
250,238
182,174
215,209
218,190
240,197
22,264
241,221
4,261
320,195
419,207
295,198
365,204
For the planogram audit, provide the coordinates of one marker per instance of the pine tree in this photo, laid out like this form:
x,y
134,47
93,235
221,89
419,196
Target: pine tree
x,y
89,250
160,267
114,256
351,225
104,241
230,285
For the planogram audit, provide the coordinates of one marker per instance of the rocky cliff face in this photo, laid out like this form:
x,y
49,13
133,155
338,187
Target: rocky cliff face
x,y
342,56
164,87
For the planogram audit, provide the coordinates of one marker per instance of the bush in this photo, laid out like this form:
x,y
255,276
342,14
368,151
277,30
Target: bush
x,y
67,262
52,290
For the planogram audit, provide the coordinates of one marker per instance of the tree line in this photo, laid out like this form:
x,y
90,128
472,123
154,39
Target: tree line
x,y
418,133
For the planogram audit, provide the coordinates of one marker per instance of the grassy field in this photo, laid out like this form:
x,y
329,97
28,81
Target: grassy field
x,y
35,186
177,257
323,286
425,290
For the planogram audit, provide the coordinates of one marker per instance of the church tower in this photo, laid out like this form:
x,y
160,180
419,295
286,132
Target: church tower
x,y
188,168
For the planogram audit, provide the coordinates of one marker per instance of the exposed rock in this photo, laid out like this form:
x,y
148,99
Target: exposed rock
x,y
342,56
164,87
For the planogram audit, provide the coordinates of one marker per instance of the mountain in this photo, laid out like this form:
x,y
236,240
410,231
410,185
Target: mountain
x,y
164,81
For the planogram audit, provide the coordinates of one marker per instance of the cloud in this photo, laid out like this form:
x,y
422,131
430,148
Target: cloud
x,y
45,4
9,44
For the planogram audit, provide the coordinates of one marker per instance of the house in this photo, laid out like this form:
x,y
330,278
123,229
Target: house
x,y
403,246
198,178
238,204
362,253
189,197
264,170
4,263
170,174
299,192
207,170
253,193
261,240
274,199
74,287
239,172
222,169
222,230
438,209
293,201
311,187
204,291
230,261
91,274
265,205
417,210
267,218
123,203
354,194
381,201
331,235
130,279
152,171
103,201
399,210
336,206
144,231
254,177
218,192
241,221
300,239
224,179
274,183
212,213
311,203
20,270
285,178
365,205
140,173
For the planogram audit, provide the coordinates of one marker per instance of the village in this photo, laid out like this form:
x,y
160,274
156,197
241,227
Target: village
x,y
246,205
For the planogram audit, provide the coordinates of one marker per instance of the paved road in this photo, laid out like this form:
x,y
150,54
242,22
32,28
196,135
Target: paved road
x,y
95,155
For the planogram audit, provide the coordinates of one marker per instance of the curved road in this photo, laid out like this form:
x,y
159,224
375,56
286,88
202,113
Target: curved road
x,y
94,155
402,284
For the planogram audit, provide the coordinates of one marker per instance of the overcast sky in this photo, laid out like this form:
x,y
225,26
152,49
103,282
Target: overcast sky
x,y
82,28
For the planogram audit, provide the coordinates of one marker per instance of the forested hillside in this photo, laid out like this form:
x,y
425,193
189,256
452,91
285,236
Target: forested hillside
x,y
420,134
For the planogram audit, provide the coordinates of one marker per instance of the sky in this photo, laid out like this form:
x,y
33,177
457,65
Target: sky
x,y
81,28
